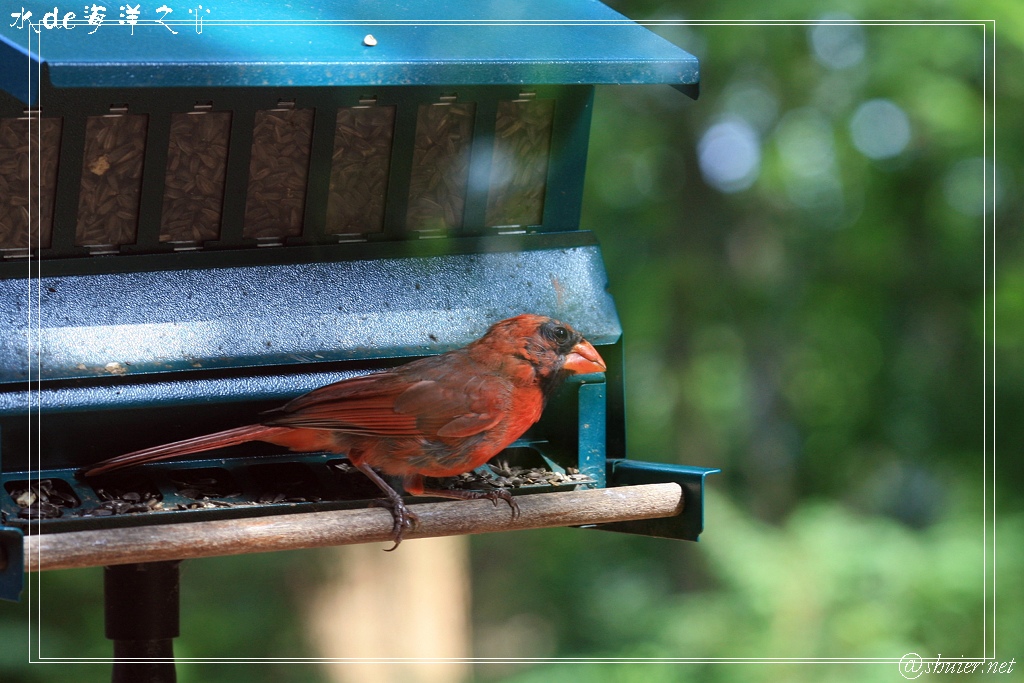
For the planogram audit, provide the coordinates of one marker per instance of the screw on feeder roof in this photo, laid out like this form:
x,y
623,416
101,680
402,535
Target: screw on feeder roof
x,y
229,216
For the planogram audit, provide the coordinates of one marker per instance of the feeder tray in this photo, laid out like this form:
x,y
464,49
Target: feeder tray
x,y
219,215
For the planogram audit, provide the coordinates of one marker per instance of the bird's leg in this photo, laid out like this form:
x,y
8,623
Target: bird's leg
x,y
493,496
404,517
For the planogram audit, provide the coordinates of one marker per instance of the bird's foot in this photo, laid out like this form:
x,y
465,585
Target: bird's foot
x,y
404,518
493,495
502,494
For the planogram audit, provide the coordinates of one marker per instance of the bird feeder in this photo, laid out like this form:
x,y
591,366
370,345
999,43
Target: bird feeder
x,y
205,212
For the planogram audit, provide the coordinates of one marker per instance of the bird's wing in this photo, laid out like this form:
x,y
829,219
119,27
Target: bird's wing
x,y
456,406
362,405
389,405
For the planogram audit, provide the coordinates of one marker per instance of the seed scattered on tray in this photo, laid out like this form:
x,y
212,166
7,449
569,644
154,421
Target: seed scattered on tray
x,y
289,492
506,476
204,488
118,501
42,500
46,500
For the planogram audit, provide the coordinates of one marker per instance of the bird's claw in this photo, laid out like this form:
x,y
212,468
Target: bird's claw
x,y
493,495
403,517
503,494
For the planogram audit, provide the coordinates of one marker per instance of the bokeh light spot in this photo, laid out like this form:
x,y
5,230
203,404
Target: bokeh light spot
x,y
838,46
730,155
806,143
880,129
805,140
972,191
754,102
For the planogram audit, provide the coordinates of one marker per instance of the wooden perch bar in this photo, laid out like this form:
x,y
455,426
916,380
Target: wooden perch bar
x,y
158,542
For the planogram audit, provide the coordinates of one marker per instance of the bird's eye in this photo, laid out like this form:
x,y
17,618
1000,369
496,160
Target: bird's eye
x,y
561,334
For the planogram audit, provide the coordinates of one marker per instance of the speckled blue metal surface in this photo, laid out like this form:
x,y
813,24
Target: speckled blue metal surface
x,y
418,42
120,395
166,321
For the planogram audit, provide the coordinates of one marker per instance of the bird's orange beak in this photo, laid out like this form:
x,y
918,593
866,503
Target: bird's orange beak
x,y
584,359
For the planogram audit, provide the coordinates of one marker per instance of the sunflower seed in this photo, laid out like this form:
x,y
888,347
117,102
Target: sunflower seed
x,y
24,194
359,169
278,167
440,166
519,169
197,153
108,199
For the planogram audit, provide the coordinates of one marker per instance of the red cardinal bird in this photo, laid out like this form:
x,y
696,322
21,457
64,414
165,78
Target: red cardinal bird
x,y
434,417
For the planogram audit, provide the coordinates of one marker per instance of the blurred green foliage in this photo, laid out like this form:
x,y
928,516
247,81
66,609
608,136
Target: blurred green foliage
x,y
819,334
248,606
818,329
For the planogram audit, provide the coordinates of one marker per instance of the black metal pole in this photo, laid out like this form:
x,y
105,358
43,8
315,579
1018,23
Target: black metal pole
x,y
141,604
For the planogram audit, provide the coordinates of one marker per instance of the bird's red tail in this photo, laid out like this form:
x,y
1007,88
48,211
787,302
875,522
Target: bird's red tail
x,y
198,444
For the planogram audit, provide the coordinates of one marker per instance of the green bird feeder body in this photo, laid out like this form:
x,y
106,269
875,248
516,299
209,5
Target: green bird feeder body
x,y
205,212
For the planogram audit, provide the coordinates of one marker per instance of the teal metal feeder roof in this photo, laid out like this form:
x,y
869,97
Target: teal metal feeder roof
x,y
262,43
